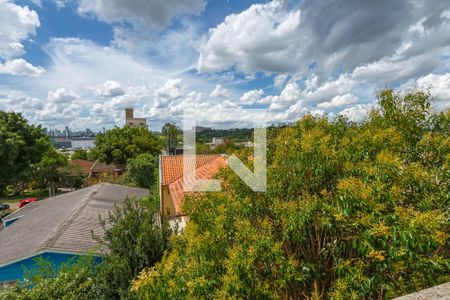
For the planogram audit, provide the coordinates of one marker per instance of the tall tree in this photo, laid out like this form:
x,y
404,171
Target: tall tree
x,y
49,171
142,170
172,135
21,145
119,145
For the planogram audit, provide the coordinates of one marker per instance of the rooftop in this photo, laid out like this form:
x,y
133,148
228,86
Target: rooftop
x,y
207,167
62,223
172,165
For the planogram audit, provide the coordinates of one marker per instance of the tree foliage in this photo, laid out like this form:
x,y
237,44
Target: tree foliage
x,y
142,170
119,145
80,154
49,169
135,242
172,135
21,145
72,280
352,211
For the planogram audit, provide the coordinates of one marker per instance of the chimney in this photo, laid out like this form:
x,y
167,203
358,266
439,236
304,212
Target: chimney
x,y
129,113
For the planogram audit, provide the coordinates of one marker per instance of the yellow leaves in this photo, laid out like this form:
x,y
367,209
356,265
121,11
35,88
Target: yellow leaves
x,y
339,217
376,255
380,229
415,172
440,237
397,192
388,159
355,188
429,221
362,219
146,277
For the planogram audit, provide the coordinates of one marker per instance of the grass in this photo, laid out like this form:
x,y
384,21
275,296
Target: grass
x,y
16,198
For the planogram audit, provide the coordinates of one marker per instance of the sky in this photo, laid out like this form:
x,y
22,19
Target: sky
x,y
80,63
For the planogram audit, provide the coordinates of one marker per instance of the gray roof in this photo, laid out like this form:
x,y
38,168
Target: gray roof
x,y
62,223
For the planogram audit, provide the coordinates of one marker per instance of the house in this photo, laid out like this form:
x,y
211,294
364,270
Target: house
x,y
84,165
216,142
171,180
57,228
95,168
130,120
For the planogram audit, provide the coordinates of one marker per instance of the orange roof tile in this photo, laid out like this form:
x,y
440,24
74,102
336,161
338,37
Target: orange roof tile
x,y
172,165
207,167
85,165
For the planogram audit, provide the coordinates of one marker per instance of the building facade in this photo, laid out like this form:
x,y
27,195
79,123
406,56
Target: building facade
x,y
130,120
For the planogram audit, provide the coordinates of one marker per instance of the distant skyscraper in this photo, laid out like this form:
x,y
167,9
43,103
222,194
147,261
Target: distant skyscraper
x,y
67,132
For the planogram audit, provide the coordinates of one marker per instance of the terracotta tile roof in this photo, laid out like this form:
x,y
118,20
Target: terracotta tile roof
x,y
172,165
100,167
207,167
85,165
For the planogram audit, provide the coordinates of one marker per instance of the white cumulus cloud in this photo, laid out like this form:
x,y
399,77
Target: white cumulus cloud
x,y
61,95
220,92
110,88
17,23
340,100
20,67
251,97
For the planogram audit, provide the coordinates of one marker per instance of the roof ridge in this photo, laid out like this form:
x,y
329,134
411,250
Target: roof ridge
x,y
95,163
197,169
48,243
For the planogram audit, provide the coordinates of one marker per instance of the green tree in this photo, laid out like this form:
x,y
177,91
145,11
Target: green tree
x,y
48,170
80,154
21,145
352,211
135,241
172,135
119,145
142,170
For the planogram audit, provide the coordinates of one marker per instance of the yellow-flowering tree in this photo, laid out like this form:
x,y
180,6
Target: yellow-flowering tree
x,y
352,211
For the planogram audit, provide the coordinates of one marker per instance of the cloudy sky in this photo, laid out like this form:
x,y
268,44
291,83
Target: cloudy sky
x,y
81,62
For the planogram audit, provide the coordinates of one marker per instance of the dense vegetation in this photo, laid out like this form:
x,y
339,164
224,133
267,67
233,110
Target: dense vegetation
x,y
21,146
352,211
235,135
119,145
142,171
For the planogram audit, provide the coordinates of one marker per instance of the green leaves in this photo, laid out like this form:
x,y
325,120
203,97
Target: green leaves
x,y
119,145
352,211
142,170
21,145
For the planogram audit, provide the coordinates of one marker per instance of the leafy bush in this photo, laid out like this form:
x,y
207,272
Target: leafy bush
x,y
118,145
352,211
142,170
135,242
73,280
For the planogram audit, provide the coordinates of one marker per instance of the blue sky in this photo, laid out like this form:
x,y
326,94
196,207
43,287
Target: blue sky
x,y
81,62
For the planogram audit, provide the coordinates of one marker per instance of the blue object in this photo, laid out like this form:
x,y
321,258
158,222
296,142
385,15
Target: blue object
x,y
16,271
